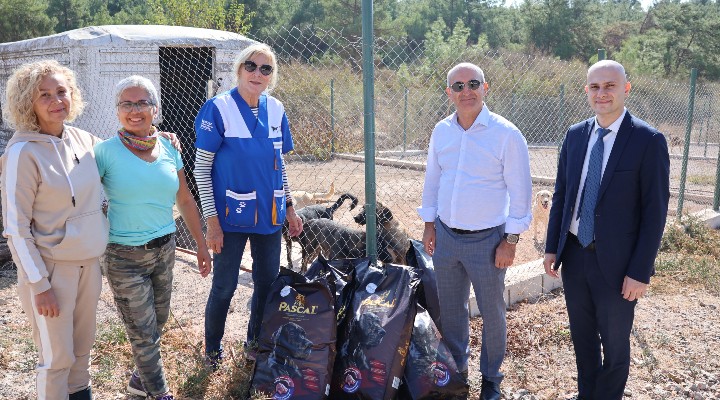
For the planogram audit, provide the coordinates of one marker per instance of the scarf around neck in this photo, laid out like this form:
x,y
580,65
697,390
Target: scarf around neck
x,y
137,142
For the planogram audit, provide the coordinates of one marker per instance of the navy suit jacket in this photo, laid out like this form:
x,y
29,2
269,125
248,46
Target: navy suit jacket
x,y
632,203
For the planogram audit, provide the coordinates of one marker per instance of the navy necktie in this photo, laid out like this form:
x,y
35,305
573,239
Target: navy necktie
x,y
586,228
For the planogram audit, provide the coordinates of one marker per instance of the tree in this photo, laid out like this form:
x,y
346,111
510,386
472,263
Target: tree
x,y
676,37
70,14
211,14
24,19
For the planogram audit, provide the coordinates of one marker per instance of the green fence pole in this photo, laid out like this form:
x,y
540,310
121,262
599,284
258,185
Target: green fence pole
x,y
405,123
332,116
369,128
601,54
686,148
716,197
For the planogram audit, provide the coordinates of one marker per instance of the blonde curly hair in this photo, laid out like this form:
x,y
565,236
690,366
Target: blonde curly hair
x,y
22,87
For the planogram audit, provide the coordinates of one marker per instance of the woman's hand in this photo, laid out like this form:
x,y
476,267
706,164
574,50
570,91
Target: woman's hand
x,y
214,236
47,304
295,225
204,261
173,138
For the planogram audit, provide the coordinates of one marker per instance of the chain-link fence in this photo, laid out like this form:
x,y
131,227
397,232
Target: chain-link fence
x,y
321,87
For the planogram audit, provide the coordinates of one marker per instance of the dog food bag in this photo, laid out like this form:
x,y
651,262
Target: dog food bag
x,y
373,348
343,276
297,341
431,372
421,262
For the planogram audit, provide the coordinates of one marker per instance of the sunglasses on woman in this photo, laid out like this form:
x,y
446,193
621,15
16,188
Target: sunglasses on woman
x,y
473,84
265,69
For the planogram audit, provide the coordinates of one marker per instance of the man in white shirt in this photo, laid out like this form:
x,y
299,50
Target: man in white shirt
x,y
476,201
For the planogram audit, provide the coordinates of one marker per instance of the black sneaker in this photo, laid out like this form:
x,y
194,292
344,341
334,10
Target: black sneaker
x,y
135,386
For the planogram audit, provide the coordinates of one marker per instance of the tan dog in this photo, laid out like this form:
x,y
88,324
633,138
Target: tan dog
x,y
393,239
541,213
302,198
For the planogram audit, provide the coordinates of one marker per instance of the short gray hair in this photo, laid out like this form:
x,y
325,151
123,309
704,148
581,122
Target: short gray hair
x,y
137,81
257,48
464,65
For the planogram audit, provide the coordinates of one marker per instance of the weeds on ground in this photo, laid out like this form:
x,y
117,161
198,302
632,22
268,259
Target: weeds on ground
x,y
690,254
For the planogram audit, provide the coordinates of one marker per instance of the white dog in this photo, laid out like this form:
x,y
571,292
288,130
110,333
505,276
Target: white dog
x,y
302,198
541,213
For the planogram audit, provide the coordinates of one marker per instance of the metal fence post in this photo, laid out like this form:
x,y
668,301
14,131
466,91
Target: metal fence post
x,y
686,147
405,123
332,116
369,122
601,54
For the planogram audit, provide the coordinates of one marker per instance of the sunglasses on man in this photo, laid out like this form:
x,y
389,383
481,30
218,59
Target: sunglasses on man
x,y
265,69
473,84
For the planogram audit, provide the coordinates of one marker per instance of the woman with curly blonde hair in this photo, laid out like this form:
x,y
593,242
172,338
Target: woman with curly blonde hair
x,y
56,230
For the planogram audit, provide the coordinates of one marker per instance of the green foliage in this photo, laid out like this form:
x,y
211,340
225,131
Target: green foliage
x,y
689,253
674,38
211,14
70,14
24,19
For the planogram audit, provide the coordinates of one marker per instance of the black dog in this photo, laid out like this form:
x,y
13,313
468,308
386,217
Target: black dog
x,y
289,343
331,239
393,240
307,213
366,332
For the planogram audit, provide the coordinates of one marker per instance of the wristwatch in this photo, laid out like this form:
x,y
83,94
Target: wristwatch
x,y
512,238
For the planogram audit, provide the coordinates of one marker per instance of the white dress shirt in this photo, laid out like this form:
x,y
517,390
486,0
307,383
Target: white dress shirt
x,y
608,142
478,178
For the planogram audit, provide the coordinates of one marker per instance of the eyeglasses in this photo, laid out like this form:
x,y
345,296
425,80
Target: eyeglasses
x,y
140,106
473,84
265,69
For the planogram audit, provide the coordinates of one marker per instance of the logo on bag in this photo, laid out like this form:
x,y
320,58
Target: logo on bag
x,y
240,207
275,128
440,373
284,388
351,380
298,306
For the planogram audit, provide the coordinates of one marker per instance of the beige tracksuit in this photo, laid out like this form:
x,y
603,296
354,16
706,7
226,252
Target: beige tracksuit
x,y
52,212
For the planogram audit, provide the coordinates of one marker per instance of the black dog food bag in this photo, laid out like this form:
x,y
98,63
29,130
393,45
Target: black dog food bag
x,y
431,372
297,340
343,276
422,264
373,348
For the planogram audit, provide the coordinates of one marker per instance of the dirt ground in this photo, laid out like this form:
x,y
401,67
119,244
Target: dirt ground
x,y
675,344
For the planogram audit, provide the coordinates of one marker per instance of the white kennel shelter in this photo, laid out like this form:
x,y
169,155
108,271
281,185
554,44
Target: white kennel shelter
x,y
187,65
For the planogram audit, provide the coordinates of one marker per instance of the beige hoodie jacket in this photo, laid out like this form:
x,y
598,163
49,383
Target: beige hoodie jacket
x,y
51,202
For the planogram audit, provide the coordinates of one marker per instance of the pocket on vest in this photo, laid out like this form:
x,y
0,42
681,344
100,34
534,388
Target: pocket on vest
x,y
241,208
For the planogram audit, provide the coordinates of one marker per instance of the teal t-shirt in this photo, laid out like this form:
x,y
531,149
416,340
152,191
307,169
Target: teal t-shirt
x,y
141,194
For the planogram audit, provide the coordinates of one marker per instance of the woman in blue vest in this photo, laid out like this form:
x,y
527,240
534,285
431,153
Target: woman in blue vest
x,y
239,168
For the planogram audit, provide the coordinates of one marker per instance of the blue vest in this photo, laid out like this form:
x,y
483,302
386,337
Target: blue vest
x,y
247,169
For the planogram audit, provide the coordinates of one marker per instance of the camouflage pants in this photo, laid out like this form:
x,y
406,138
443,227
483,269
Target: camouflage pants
x,y
141,282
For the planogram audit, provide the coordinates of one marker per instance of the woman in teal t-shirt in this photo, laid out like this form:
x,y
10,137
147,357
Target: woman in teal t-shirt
x,y
143,177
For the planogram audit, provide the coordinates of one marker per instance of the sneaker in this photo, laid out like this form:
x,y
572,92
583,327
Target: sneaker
x,y
166,396
214,360
135,385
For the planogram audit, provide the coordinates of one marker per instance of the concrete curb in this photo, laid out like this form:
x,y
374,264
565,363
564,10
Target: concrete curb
x,y
522,282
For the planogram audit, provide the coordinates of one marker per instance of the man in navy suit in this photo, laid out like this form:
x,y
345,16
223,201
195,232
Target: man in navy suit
x,y
606,222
